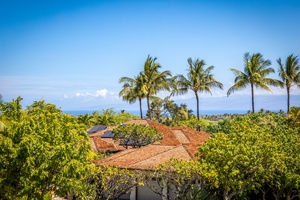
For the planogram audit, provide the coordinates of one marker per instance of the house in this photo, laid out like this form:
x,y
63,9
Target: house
x,y
101,139
178,142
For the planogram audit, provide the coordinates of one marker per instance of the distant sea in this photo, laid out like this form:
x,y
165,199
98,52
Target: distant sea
x,y
137,112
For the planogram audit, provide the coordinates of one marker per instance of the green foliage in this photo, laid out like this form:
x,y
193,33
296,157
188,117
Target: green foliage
x,y
156,110
222,126
167,112
107,117
239,162
286,183
289,74
12,111
123,117
44,152
198,79
112,182
254,74
153,80
194,123
136,135
260,149
133,90
182,178
294,116
85,119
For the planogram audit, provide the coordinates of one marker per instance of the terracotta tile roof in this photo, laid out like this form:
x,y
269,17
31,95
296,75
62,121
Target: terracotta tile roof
x,y
147,157
105,144
195,137
138,121
181,137
168,136
178,142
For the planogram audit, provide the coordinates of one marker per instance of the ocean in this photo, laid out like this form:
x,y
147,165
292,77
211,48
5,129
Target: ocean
x,y
137,112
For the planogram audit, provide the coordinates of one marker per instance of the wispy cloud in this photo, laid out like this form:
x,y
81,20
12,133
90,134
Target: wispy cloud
x,y
98,94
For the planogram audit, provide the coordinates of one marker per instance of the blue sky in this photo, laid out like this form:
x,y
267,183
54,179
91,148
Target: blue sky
x,y
72,53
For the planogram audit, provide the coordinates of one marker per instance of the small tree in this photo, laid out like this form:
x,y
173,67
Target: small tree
x,y
181,179
45,152
136,135
243,160
254,74
198,79
112,182
289,74
153,80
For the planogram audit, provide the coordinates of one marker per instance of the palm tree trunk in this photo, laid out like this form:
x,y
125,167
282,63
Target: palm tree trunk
x,y
141,112
288,99
252,93
197,100
148,104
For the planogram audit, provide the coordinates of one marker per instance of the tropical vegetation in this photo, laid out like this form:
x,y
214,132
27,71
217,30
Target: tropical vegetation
x,y
135,135
154,80
43,152
198,79
256,68
133,90
289,72
46,153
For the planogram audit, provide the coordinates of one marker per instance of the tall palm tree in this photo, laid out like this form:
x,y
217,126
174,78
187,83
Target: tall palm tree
x,y
289,74
132,90
153,80
198,79
255,71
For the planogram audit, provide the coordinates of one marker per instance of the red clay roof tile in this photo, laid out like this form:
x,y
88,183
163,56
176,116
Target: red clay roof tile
x,y
178,142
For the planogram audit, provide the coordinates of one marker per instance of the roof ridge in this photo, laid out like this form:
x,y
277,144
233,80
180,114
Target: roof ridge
x,y
169,148
117,155
186,135
99,150
184,146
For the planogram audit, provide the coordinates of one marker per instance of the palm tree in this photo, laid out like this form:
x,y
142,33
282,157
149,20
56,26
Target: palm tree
x,y
153,80
132,90
255,71
289,74
198,79
85,119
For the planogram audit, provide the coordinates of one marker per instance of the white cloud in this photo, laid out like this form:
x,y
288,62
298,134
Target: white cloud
x,y
103,93
66,96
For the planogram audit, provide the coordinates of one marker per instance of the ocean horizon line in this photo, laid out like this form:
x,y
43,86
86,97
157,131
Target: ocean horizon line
x,y
137,112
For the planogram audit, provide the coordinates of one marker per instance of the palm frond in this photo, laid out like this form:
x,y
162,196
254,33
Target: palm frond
x,y
237,86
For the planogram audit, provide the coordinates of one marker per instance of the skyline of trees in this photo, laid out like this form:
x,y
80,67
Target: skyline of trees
x,y
198,79
289,72
256,69
45,152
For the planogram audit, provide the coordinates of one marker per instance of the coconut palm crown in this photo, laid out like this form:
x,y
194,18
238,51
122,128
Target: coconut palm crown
x,y
256,68
289,74
198,79
132,90
153,80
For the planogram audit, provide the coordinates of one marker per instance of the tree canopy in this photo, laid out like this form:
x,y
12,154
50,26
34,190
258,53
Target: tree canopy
x,y
260,151
136,135
43,152
256,68
199,79
289,72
